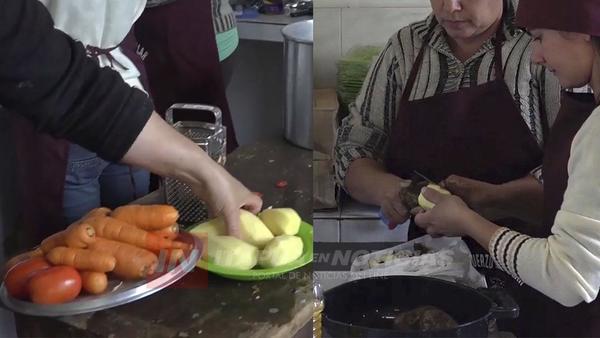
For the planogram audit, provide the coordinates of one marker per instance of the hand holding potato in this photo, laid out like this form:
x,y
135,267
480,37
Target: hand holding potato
x,y
449,216
225,196
478,195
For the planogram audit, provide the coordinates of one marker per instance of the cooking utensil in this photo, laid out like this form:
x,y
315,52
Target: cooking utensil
x,y
409,195
299,8
298,65
118,292
423,177
305,232
368,307
211,137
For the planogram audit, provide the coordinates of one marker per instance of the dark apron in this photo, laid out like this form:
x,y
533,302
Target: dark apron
x,y
554,319
182,59
41,168
476,132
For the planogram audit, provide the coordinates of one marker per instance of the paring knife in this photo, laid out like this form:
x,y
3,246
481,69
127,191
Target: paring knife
x,y
423,177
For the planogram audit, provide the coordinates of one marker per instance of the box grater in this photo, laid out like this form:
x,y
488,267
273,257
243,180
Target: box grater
x,y
210,137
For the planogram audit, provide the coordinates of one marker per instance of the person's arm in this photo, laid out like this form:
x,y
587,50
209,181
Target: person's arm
x,y
363,136
166,152
46,76
521,198
563,266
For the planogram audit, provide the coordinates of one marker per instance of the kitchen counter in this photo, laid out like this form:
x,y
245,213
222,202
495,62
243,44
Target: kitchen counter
x,y
280,307
266,27
354,222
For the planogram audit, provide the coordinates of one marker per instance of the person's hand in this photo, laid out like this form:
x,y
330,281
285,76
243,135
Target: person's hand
x,y
164,151
390,202
478,195
449,217
224,196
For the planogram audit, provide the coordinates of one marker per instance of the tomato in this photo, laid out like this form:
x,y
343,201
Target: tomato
x,y
56,285
20,258
17,278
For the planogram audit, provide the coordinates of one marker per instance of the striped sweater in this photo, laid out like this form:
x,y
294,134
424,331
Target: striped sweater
x,y
364,133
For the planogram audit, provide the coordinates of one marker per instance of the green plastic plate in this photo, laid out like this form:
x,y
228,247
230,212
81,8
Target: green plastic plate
x,y
305,232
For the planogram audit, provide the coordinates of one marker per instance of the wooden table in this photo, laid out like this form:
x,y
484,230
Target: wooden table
x,y
280,307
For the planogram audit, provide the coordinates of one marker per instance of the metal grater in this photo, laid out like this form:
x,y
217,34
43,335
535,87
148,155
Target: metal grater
x,y
211,137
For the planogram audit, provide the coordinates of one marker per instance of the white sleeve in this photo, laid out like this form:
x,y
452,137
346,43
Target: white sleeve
x,y
566,265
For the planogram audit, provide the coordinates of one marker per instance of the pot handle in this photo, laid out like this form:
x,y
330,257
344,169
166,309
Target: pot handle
x,y
504,305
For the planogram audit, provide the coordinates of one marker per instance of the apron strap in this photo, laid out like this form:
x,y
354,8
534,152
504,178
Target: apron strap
x,y
497,41
95,52
544,122
415,68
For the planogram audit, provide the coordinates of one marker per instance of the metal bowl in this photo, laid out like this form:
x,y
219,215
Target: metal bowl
x,y
118,292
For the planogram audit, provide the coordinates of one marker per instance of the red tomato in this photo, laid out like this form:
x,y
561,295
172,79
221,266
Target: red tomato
x,y
21,258
56,285
17,278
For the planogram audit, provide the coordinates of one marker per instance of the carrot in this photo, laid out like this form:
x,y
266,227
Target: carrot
x,y
97,212
82,259
21,257
132,262
77,235
112,228
147,217
170,255
94,282
170,232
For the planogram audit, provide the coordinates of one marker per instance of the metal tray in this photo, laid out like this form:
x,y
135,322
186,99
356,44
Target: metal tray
x,y
122,292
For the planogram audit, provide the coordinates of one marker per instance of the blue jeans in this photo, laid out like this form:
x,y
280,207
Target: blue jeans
x,y
91,182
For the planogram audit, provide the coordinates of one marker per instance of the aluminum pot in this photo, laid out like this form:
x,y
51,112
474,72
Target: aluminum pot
x,y
367,307
298,61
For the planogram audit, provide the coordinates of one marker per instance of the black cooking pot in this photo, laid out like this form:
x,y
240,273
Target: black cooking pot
x,y
368,307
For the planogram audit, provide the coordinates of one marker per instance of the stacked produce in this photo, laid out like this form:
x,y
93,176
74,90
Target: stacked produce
x,y
267,240
123,243
352,71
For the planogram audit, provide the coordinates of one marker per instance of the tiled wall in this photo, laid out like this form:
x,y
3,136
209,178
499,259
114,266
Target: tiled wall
x,y
357,231
343,24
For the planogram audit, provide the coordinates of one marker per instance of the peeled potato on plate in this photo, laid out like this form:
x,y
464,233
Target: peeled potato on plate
x,y
281,250
281,221
425,203
230,252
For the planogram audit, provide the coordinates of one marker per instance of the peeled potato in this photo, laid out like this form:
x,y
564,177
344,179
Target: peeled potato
x,y
281,221
214,227
280,251
230,252
252,229
425,203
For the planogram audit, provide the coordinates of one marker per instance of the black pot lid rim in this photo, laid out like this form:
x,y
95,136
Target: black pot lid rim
x,y
484,317
368,328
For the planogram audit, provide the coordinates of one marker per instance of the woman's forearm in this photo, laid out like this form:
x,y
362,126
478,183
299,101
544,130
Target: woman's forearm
x,y
522,198
368,182
162,150
480,229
